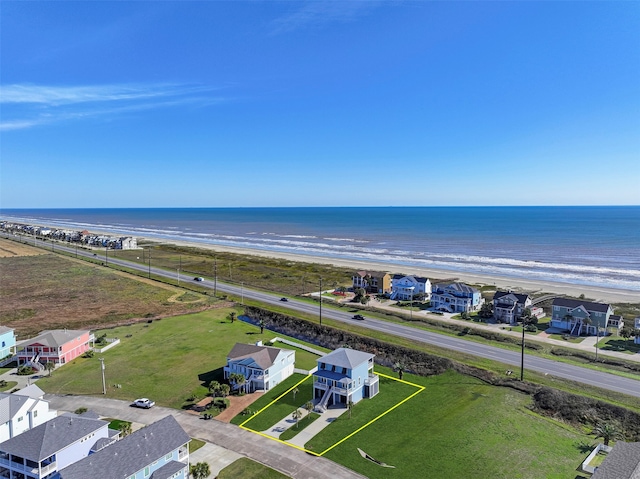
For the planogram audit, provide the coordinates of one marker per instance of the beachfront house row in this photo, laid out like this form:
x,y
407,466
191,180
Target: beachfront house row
x,y
22,411
7,342
58,346
455,298
262,366
508,306
375,282
157,451
344,375
583,317
41,452
406,288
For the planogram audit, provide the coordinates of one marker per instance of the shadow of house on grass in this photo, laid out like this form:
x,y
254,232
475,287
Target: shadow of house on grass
x,y
209,376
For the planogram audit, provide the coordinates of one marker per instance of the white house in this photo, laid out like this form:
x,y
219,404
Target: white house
x,y
405,288
262,366
23,410
455,298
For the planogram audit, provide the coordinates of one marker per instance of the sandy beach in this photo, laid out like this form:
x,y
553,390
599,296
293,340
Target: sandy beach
x,y
600,294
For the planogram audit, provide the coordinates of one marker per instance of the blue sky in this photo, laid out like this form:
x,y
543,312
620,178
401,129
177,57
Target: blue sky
x,y
321,103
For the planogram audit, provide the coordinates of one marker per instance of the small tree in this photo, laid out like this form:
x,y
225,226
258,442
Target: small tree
x,y
232,316
607,431
50,366
261,326
225,389
125,428
486,310
295,391
200,470
214,387
350,407
296,415
308,406
400,368
626,332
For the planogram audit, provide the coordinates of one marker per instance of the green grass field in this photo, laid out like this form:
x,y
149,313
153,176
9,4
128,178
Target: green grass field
x,y
456,427
248,469
167,360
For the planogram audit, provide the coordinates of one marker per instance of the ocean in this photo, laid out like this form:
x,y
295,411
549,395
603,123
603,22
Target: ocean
x,y
598,246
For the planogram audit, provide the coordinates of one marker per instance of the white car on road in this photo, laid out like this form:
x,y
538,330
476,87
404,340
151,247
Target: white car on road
x,y
144,403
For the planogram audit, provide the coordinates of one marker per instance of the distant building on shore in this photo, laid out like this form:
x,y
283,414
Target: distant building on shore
x,y
455,298
376,282
580,317
406,288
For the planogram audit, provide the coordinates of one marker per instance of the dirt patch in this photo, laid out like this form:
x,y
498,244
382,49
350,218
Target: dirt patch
x,y
9,249
238,404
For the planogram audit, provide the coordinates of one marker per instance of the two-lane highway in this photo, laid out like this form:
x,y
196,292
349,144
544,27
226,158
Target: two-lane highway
x,y
510,358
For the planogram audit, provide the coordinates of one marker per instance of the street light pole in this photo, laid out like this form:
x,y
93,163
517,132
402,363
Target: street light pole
x,y
106,255
321,301
522,355
215,277
149,255
242,292
597,338
104,384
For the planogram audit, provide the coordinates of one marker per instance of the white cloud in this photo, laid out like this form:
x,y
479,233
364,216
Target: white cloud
x,y
318,12
40,104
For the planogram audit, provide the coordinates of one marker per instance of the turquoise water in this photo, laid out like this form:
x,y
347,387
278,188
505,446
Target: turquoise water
x,y
581,245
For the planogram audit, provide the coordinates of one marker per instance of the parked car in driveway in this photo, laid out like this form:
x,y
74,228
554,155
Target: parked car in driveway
x,y
358,316
144,403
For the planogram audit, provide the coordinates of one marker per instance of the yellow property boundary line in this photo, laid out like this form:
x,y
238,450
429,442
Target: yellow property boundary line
x,y
419,390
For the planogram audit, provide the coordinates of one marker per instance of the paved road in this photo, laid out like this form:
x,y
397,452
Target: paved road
x,y
509,358
288,460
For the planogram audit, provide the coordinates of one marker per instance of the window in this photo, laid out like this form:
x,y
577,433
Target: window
x,y
20,418
146,471
168,457
35,413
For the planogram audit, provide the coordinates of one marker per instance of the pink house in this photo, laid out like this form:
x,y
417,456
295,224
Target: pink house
x,y
58,346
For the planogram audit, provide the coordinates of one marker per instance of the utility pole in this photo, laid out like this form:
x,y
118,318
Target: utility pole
x,y
149,262
106,255
320,301
242,293
215,277
597,338
522,355
104,384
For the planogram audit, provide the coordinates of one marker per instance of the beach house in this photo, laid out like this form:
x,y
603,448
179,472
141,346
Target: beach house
x,y
262,366
406,288
22,411
508,306
455,298
582,317
344,375
160,450
41,452
375,282
636,325
7,342
58,346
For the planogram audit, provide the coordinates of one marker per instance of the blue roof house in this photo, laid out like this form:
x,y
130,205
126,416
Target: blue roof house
x,y
344,375
7,342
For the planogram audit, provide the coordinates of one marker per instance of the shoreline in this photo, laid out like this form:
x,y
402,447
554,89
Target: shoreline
x,y
593,293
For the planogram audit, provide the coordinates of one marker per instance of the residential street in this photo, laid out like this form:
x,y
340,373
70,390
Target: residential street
x,y
288,460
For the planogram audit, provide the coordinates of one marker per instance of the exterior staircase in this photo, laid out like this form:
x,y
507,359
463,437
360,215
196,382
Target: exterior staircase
x,y
322,405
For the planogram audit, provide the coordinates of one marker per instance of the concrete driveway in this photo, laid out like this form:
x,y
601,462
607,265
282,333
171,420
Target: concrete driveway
x,y
232,441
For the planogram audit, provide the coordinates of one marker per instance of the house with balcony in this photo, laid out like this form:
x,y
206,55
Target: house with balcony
x,y
22,411
375,282
455,298
262,366
580,317
58,346
41,452
508,306
636,325
406,288
7,342
344,375
157,451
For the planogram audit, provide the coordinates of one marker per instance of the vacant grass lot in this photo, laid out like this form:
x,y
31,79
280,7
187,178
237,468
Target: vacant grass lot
x,y
248,469
456,427
48,291
167,360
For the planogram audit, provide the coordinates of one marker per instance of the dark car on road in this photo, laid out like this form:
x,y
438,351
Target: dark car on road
x,y
198,278
358,316
284,299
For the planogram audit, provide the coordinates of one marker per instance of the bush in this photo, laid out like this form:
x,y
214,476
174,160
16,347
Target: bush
x,y
88,354
25,370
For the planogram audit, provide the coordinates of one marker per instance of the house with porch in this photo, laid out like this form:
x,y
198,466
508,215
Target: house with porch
x,y
157,451
455,298
7,342
262,366
406,288
41,452
375,282
636,325
508,306
22,411
344,375
58,346
582,317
